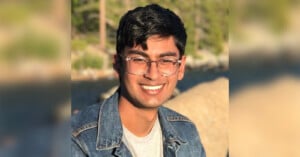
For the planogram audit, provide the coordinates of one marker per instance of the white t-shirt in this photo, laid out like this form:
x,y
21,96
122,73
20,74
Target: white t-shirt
x,y
148,146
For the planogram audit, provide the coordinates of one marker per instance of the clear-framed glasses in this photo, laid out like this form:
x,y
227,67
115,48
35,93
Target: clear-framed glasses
x,y
139,65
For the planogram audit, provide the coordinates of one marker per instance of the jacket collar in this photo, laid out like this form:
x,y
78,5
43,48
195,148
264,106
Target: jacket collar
x,y
109,124
110,129
170,134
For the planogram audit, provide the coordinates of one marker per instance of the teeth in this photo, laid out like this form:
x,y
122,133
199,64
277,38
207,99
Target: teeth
x,y
152,87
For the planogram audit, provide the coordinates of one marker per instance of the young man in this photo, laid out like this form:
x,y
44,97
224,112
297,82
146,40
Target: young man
x,y
132,122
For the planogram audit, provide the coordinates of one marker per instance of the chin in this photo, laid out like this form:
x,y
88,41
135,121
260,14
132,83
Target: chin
x,y
152,103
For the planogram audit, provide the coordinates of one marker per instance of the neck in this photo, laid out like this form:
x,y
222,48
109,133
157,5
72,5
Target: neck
x,y
139,121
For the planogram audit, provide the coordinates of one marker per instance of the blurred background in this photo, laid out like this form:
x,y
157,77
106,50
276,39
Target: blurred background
x,y
54,53
34,77
264,119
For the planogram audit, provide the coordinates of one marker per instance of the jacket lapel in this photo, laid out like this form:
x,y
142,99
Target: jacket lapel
x,y
109,125
121,151
171,139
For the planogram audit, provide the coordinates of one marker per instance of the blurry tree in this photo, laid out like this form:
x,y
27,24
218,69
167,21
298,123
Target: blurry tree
x,y
206,21
214,25
31,45
84,15
102,27
88,61
270,13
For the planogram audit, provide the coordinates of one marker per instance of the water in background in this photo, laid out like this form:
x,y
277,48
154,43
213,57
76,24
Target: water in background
x,y
251,70
88,92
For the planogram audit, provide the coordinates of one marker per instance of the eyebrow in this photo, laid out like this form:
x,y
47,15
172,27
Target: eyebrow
x,y
166,54
138,53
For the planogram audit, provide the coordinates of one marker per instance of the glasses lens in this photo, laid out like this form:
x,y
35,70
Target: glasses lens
x,y
139,66
167,66
136,65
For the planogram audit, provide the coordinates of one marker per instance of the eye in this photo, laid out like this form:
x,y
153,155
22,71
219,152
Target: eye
x,y
138,60
167,60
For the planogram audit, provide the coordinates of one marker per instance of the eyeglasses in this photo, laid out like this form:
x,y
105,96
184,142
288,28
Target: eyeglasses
x,y
139,65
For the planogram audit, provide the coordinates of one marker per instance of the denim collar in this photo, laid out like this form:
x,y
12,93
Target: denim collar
x,y
109,124
170,135
110,130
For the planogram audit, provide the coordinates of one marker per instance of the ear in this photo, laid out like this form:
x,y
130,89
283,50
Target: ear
x,y
116,64
181,69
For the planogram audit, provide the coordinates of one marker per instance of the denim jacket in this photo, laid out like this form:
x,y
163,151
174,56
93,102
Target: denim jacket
x,y
97,132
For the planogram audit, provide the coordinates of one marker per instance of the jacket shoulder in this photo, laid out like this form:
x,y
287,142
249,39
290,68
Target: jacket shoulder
x,y
172,115
85,119
183,126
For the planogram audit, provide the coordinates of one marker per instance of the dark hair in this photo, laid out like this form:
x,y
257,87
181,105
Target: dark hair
x,y
137,25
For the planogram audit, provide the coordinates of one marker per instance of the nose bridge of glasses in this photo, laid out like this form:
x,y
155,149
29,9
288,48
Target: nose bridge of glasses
x,y
151,71
149,63
150,67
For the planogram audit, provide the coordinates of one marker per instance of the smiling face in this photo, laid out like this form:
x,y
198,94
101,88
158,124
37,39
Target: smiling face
x,y
151,89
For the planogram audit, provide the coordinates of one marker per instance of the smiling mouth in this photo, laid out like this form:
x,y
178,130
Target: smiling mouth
x,y
152,87
152,90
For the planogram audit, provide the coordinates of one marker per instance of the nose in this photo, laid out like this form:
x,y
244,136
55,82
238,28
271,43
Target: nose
x,y
152,72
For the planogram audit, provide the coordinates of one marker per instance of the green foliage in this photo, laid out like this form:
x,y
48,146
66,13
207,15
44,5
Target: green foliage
x,y
32,46
18,13
85,15
78,44
272,14
210,17
213,25
81,42
88,61
92,38
13,14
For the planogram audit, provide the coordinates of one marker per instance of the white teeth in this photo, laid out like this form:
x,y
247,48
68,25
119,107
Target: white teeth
x,y
152,87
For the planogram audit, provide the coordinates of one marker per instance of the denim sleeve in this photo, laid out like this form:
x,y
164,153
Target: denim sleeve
x,y
200,148
76,151
200,145
203,153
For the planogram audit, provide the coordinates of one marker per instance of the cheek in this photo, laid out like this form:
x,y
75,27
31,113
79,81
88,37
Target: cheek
x,y
129,80
173,81
122,74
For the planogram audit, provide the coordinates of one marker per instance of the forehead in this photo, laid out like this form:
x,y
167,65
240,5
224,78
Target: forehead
x,y
156,46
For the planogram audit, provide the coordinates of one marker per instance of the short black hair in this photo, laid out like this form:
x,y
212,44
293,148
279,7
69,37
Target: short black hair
x,y
137,25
